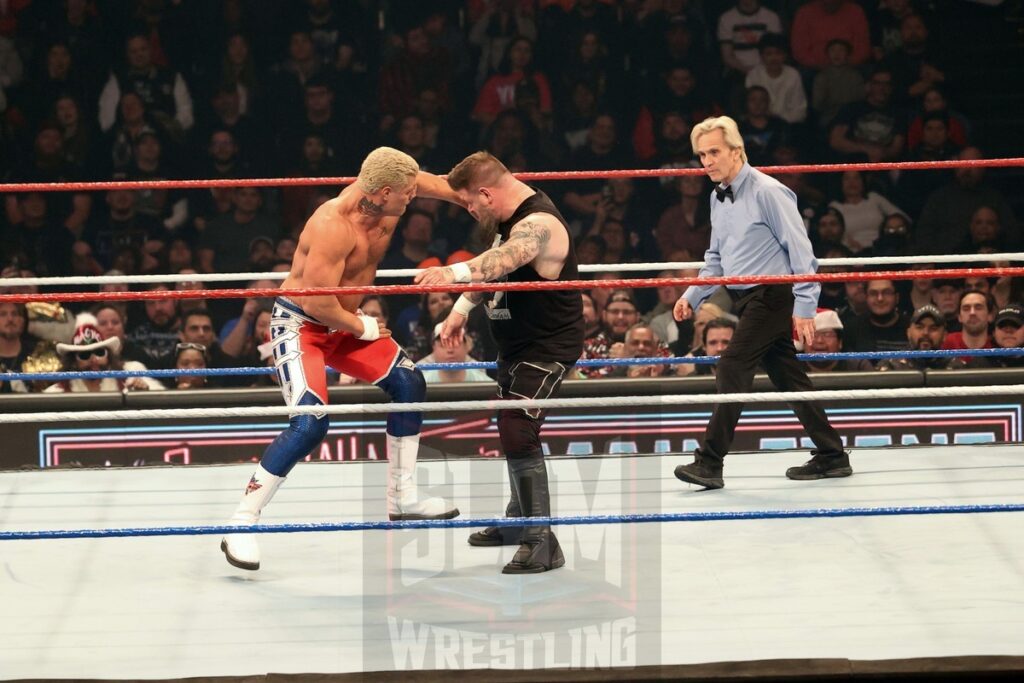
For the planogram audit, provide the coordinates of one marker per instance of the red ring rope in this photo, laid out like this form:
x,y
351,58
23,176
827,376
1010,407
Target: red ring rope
x,y
950,273
550,175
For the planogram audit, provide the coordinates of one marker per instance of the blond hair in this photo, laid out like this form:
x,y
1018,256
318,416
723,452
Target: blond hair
x,y
730,132
387,167
714,309
479,169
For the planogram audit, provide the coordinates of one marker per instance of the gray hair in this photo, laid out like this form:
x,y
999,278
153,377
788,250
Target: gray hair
x,y
730,132
641,326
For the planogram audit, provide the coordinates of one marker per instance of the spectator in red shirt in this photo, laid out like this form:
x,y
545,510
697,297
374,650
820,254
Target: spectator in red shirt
x,y
976,313
934,102
499,92
819,22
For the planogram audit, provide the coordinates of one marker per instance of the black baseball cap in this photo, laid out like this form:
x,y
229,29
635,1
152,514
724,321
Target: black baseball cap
x,y
928,311
1010,314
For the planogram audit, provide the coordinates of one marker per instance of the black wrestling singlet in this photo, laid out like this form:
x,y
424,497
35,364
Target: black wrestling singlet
x,y
538,325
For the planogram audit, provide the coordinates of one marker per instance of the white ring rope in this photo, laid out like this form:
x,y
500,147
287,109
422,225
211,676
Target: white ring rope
x,y
409,272
496,404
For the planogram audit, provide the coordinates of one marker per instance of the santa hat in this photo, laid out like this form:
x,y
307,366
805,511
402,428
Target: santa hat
x,y
824,319
88,337
827,319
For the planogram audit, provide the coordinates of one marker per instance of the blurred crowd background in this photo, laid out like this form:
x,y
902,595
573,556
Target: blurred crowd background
x,y
176,89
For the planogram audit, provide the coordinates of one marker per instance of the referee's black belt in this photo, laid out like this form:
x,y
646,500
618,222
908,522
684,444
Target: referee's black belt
x,y
737,294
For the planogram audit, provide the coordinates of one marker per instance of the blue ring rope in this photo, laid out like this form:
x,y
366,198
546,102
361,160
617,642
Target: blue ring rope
x,y
482,365
511,522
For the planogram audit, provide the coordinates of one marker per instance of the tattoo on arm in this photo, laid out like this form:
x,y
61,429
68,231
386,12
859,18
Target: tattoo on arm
x,y
475,297
527,240
369,208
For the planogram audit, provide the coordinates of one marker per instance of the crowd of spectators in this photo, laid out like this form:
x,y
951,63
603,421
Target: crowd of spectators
x,y
228,89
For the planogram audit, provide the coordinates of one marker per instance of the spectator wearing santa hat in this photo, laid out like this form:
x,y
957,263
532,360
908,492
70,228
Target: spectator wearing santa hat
x,y
89,351
828,338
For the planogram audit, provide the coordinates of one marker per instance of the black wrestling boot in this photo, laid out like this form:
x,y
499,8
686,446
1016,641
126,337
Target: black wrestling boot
x,y
501,535
705,470
822,467
539,551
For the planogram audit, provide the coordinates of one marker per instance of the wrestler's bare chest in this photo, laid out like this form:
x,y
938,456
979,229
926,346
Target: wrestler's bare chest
x,y
361,263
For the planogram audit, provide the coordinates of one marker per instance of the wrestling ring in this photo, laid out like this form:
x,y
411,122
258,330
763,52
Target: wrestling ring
x,y
913,567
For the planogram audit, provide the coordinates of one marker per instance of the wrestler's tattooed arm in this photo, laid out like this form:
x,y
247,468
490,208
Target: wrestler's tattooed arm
x,y
526,241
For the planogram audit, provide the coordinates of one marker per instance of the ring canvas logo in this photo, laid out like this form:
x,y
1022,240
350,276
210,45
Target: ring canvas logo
x,y
439,603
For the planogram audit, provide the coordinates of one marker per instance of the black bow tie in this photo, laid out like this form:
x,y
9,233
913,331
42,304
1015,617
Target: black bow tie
x,y
722,194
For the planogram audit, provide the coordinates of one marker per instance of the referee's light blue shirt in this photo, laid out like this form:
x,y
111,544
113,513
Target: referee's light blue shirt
x,y
758,232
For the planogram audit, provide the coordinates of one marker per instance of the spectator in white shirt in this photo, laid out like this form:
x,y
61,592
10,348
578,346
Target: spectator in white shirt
x,y
788,99
863,211
739,30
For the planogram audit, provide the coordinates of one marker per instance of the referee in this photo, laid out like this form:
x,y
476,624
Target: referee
x,y
756,229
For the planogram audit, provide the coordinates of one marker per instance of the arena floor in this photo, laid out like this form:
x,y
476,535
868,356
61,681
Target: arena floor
x,y
860,588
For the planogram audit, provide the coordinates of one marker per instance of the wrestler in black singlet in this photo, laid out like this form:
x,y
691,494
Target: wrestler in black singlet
x,y
540,337
538,325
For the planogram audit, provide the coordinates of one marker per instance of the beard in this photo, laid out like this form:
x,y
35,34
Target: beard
x,y
488,229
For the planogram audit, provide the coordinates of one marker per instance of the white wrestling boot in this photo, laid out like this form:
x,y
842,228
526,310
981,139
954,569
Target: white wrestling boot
x,y
242,550
404,501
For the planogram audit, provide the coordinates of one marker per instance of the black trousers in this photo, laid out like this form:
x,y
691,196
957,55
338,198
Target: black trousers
x,y
764,336
527,379
519,431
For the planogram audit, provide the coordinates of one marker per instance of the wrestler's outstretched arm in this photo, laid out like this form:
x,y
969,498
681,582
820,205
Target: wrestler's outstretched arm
x,y
324,267
435,187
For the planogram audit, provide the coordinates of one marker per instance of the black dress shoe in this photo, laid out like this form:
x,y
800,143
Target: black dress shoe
x,y
822,467
705,471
